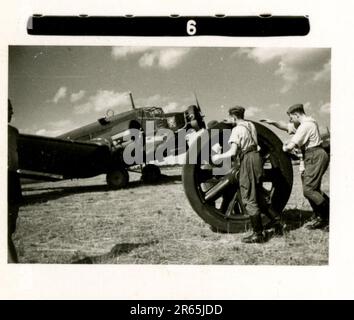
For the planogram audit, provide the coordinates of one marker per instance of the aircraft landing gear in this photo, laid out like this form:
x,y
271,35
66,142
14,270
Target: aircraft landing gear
x,y
117,178
151,174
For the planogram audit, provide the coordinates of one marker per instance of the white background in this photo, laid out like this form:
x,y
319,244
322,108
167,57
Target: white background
x,y
332,26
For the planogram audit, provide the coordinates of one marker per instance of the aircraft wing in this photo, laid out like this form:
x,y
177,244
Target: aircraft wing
x,y
62,158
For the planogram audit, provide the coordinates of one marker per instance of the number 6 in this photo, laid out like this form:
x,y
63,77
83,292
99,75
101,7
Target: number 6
x,y
191,27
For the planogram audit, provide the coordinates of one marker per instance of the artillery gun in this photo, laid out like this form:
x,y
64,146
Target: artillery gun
x,y
216,198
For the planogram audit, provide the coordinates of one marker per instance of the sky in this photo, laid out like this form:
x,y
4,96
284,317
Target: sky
x,y
55,89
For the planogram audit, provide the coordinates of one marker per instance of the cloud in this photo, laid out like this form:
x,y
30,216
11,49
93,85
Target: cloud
x,y
288,74
325,108
164,58
61,94
55,128
103,100
171,107
274,105
261,55
292,63
307,107
48,132
83,108
60,124
324,74
167,103
41,132
76,96
252,111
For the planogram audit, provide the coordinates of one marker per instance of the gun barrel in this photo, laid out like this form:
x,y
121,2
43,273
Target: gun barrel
x,y
214,192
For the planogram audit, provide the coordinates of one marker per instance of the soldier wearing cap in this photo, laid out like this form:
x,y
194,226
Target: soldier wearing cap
x,y
306,136
243,141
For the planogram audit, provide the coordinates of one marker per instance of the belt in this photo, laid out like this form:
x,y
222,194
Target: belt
x,y
248,150
313,148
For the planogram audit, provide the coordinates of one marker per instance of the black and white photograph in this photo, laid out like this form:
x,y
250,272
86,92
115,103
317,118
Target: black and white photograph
x,y
176,150
169,155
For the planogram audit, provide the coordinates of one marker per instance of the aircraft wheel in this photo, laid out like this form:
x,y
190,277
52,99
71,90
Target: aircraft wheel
x,y
117,178
151,173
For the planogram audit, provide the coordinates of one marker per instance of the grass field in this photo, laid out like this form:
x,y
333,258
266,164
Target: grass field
x,y
81,221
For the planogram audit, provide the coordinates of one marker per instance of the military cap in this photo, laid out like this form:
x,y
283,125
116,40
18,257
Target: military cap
x,y
237,111
295,108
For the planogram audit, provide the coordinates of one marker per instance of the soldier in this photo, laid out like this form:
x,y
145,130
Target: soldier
x,y
306,136
14,186
243,141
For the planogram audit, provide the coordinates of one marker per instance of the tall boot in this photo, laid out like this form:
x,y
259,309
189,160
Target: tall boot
x,y
326,206
324,209
323,221
325,196
315,217
315,210
266,207
257,235
275,221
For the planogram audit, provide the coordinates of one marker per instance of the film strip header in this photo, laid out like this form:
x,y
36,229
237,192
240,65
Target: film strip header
x,y
170,26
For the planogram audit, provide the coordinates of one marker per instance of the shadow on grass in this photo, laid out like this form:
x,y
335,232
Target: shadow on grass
x,y
53,193
292,218
117,250
296,218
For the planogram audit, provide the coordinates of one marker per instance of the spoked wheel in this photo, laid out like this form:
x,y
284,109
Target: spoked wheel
x,y
216,198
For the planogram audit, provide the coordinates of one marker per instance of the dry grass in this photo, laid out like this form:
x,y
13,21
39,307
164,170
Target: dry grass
x,y
80,221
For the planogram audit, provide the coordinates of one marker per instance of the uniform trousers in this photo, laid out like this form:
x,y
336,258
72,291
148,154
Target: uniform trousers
x,y
250,180
316,163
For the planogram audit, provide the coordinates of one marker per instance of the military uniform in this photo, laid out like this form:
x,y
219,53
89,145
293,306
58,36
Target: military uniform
x,y
14,187
244,135
251,169
307,137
